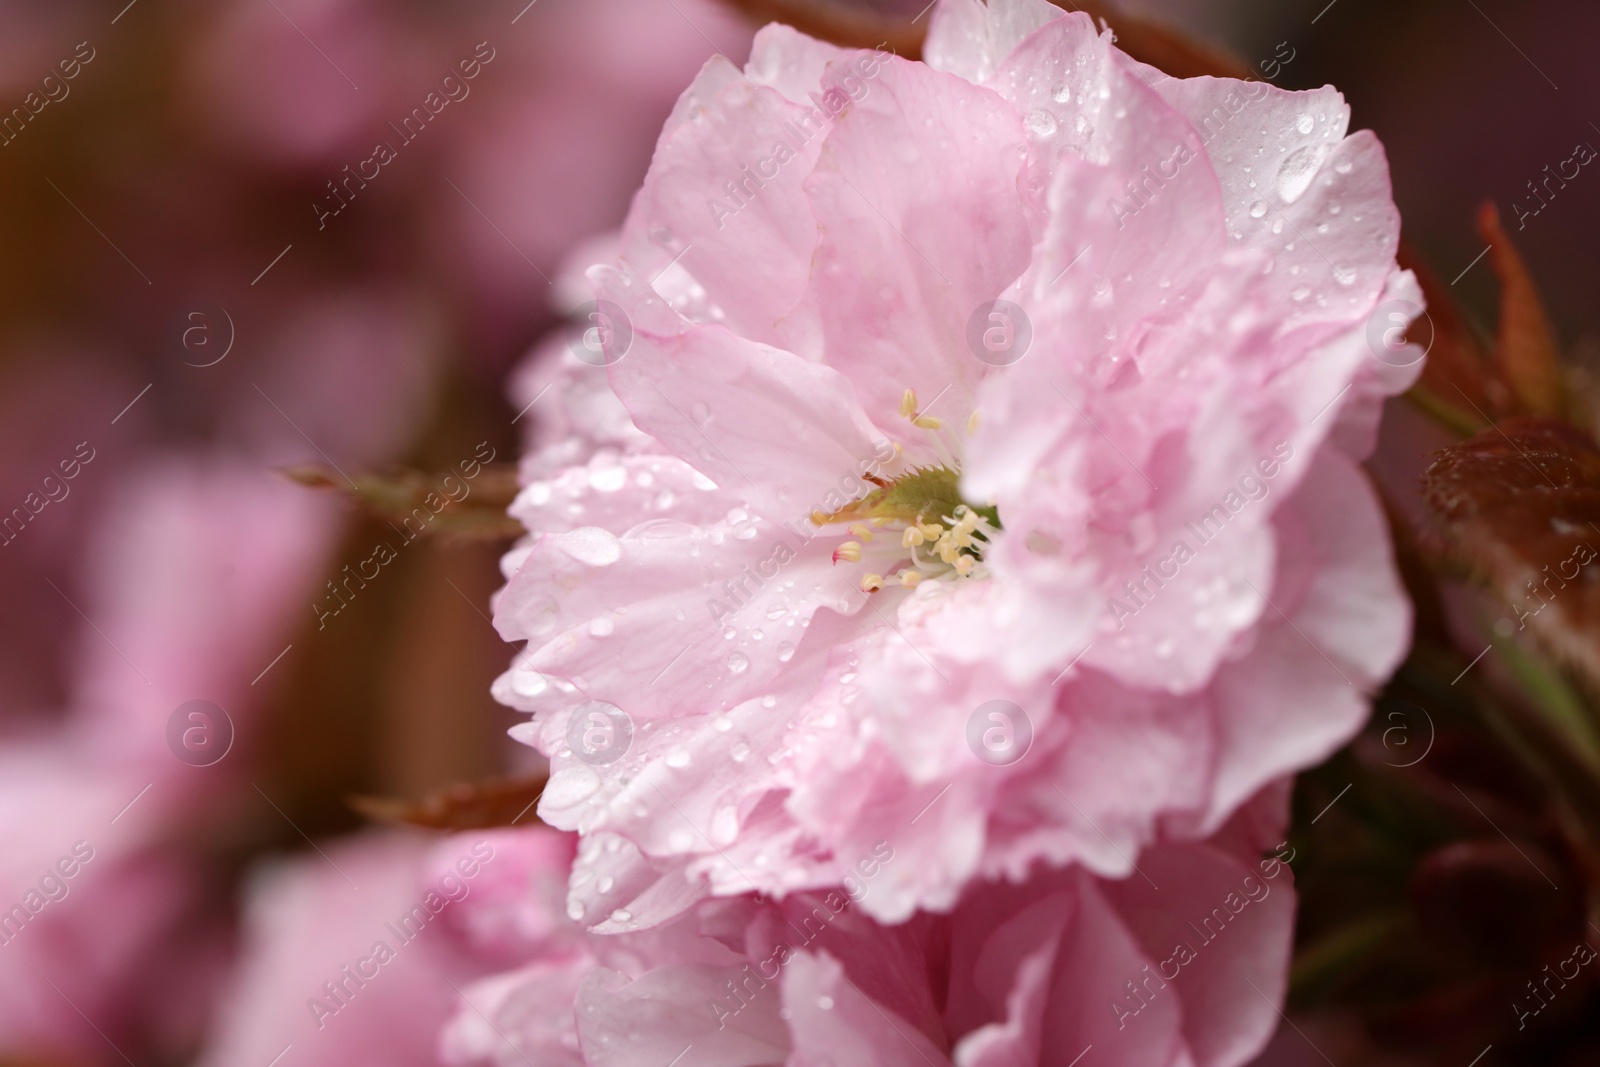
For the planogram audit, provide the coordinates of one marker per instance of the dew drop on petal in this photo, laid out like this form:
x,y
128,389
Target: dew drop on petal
x,y
785,652
1258,209
1041,122
528,683
738,663
592,545
608,479
1297,170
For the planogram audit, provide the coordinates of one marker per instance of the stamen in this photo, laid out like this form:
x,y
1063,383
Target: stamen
x,y
850,552
908,404
871,583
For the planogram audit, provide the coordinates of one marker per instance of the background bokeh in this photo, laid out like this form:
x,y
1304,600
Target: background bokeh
x,y
180,302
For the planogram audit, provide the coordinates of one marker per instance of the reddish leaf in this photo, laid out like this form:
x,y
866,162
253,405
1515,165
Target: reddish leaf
x,y
1525,351
428,501
1520,504
1458,377
476,806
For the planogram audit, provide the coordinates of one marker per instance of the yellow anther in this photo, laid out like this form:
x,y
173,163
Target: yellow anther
x,y
908,404
871,583
927,422
910,578
964,565
972,422
912,537
850,552
863,532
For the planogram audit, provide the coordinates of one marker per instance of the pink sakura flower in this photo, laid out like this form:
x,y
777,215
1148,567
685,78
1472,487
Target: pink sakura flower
x,y
359,954
194,574
1155,970
992,481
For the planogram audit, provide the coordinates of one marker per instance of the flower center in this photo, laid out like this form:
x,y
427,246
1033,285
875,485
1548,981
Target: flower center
x,y
915,527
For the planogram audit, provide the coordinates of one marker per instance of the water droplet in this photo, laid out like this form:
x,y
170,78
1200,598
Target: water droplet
x,y
1344,275
540,615
825,1002
621,915
700,413
592,545
725,825
678,758
608,479
1041,122
602,626
785,652
1343,166
1305,123
1062,94
528,683
1300,293
575,910
740,752
738,663
1297,170
1258,209
604,883
722,723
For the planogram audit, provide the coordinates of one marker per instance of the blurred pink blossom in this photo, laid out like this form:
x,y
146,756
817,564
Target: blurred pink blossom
x,y
194,574
357,955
